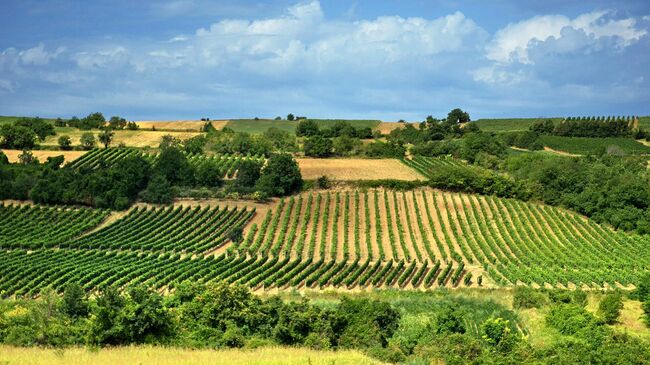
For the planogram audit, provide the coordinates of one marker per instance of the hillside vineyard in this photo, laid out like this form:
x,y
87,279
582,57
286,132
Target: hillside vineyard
x,y
344,239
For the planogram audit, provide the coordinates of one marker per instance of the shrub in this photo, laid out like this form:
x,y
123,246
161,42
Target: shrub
x,y
609,308
525,297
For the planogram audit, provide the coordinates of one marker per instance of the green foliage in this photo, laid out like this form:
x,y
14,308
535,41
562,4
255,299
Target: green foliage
x,y
385,150
87,141
158,191
594,146
40,127
65,143
498,334
323,182
105,137
172,164
458,116
4,160
318,146
280,176
248,173
209,174
307,128
448,321
525,297
17,137
575,320
195,145
609,308
74,303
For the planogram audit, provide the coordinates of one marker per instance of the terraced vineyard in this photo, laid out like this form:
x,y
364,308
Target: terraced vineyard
x,y
345,239
228,164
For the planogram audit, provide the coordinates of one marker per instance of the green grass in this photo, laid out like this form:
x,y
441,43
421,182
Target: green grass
x,y
586,145
9,119
358,123
508,124
644,122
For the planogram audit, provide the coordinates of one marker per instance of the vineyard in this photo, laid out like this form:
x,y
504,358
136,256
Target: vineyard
x,y
344,239
425,165
227,164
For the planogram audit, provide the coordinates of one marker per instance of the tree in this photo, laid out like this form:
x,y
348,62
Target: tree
x,y
195,145
173,165
248,173
448,321
345,145
168,141
117,123
458,116
159,191
65,143
3,159
610,307
27,158
280,176
290,117
38,125
106,137
87,141
74,303
208,174
17,137
318,146
307,128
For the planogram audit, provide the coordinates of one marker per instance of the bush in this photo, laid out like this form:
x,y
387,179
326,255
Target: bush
x,y
323,182
318,146
525,297
158,191
87,141
609,308
280,176
65,143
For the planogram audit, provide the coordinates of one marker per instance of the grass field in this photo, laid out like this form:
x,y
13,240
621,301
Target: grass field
x,y
586,145
138,138
508,124
9,119
355,169
176,356
42,155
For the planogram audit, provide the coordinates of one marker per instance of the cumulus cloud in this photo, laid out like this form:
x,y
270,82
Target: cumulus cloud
x,y
38,55
512,43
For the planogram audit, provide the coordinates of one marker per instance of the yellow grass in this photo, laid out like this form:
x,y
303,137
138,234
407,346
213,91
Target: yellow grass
x,y
12,155
173,356
387,127
356,169
179,125
139,138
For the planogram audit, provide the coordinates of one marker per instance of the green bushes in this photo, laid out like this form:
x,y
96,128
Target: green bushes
x,y
525,297
609,308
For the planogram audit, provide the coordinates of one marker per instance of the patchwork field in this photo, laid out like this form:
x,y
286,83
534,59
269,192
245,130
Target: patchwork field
x,y
42,155
355,169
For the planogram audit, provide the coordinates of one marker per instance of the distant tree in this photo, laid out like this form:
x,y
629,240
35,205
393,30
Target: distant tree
x,y
132,126
458,116
94,120
27,158
318,146
168,141
87,141
307,128
38,125
278,118
116,123
290,117
280,176
58,122
65,143
106,137
17,137
208,127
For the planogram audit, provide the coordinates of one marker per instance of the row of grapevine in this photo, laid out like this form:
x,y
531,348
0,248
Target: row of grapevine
x,y
24,273
35,226
227,164
176,229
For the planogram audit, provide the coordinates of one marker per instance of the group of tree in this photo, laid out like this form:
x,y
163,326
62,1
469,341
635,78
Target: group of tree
x,y
455,125
279,176
310,128
24,133
96,121
599,127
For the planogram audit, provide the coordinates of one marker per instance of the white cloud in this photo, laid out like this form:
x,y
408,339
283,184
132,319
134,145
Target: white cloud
x,y
513,42
6,85
38,55
107,57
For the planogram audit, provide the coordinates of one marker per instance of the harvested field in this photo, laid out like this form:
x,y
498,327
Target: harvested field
x,y
356,169
42,155
387,127
179,125
139,138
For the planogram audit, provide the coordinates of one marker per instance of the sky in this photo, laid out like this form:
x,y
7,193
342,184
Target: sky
x,y
366,59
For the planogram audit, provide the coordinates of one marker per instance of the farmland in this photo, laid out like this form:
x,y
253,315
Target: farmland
x,y
137,138
354,169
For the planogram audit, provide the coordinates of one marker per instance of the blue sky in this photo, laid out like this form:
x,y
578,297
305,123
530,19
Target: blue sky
x,y
390,60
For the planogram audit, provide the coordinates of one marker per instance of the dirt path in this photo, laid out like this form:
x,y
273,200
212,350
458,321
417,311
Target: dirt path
x,y
562,153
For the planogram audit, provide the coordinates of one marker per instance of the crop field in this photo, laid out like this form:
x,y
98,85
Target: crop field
x,y
343,239
137,138
42,155
227,164
586,145
355,169
179,125
424,165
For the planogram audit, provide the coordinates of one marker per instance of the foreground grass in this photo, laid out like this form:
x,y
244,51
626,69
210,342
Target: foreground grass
x,y
175,356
